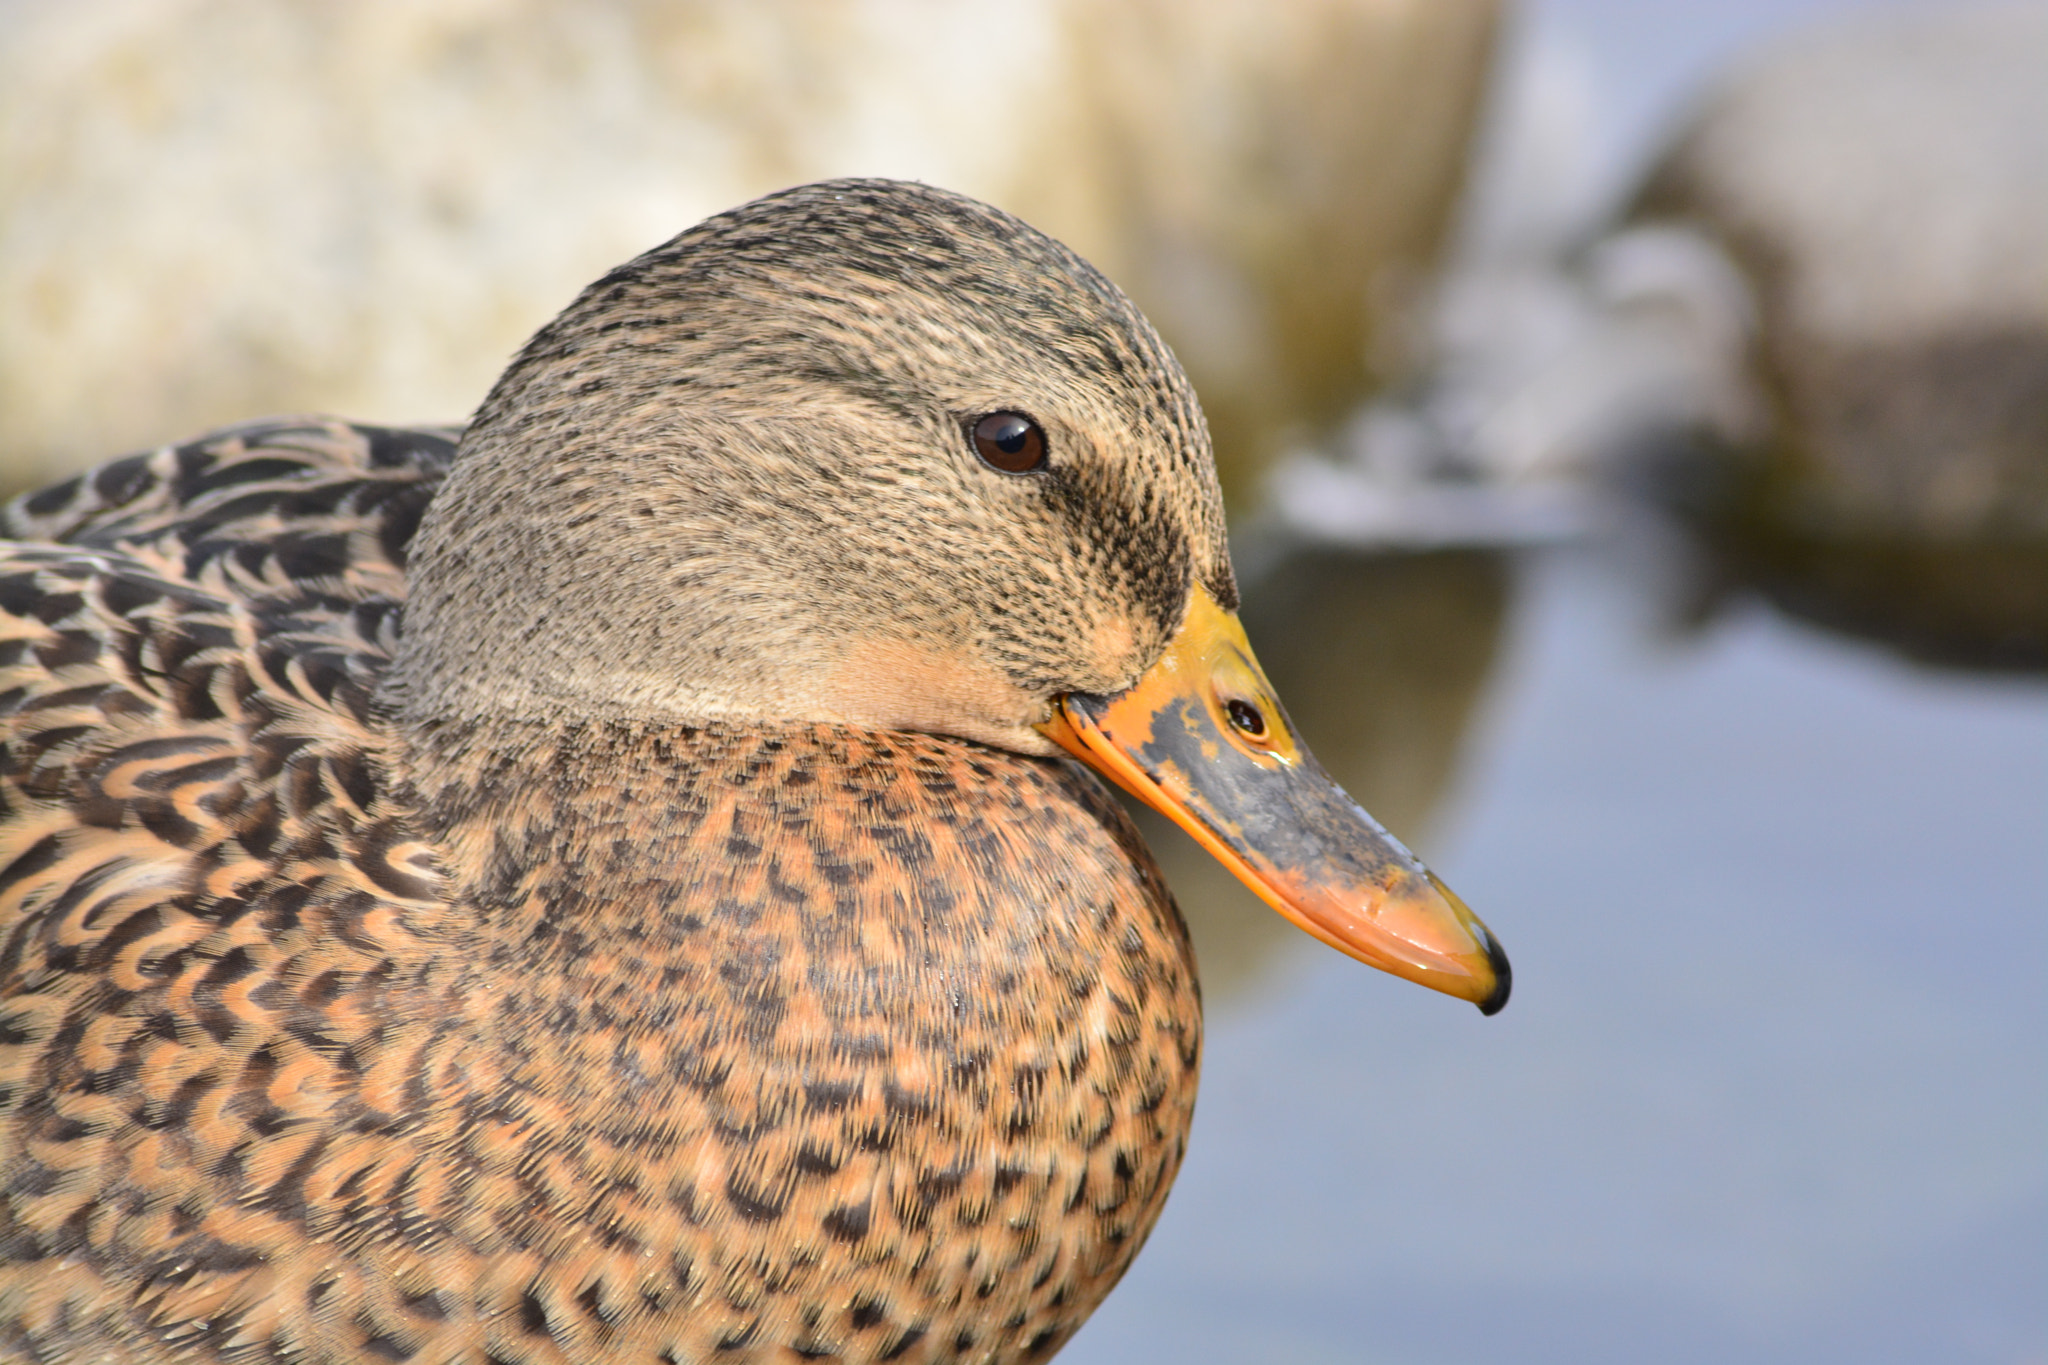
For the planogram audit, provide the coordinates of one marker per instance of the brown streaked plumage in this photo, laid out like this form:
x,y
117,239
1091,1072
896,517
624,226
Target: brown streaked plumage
x,y
605,891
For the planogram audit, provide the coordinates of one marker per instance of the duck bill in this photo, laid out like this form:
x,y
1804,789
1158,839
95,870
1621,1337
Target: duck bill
x,y
1201,738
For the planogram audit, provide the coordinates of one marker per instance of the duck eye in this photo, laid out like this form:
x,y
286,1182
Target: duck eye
x,y
1247,718
1009,441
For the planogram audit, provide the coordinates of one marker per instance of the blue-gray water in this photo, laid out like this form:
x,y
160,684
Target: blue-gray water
x,y
1774,1083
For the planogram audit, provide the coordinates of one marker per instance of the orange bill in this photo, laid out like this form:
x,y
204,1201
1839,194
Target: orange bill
x,y
1202,739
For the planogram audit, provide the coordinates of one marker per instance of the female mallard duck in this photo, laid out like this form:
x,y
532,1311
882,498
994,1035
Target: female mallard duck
x,y
610,889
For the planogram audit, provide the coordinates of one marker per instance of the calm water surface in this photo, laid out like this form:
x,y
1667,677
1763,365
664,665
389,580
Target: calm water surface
x,y
1774,1083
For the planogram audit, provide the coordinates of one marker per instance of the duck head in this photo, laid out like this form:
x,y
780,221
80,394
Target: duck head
x,y
870,453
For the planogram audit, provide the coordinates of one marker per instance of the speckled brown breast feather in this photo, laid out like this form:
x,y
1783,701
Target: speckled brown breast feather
x,y
525,1042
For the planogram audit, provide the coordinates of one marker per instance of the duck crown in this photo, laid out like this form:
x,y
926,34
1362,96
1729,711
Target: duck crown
x,y
739,477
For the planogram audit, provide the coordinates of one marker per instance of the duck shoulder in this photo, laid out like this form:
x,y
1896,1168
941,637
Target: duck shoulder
x,y
525,1042
273,487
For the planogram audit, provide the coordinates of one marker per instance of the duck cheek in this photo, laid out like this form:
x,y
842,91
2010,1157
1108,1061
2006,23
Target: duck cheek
x,y
887,684
1112,643
1201,738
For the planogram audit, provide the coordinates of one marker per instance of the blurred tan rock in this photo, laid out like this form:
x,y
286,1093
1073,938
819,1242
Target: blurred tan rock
x,y
211,209
1883,184
1272,183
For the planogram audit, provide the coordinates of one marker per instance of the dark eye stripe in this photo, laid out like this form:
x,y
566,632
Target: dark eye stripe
x,y
1009,441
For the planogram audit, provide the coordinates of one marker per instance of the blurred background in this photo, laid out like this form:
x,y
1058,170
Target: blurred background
x,y
1635,414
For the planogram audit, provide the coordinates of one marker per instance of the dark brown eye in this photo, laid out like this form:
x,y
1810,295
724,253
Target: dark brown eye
x,y
1247,718
1010,441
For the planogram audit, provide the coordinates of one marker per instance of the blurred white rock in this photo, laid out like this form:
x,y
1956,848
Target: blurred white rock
x,y
211,209
1839,268
1522,362
1883,184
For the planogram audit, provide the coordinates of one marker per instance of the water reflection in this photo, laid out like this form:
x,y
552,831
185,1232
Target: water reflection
x,y
1974,603
1773,1087
1981,606
1380,661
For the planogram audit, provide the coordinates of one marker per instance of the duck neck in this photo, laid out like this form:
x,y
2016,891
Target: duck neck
x,y
657,865
851,992
542,822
